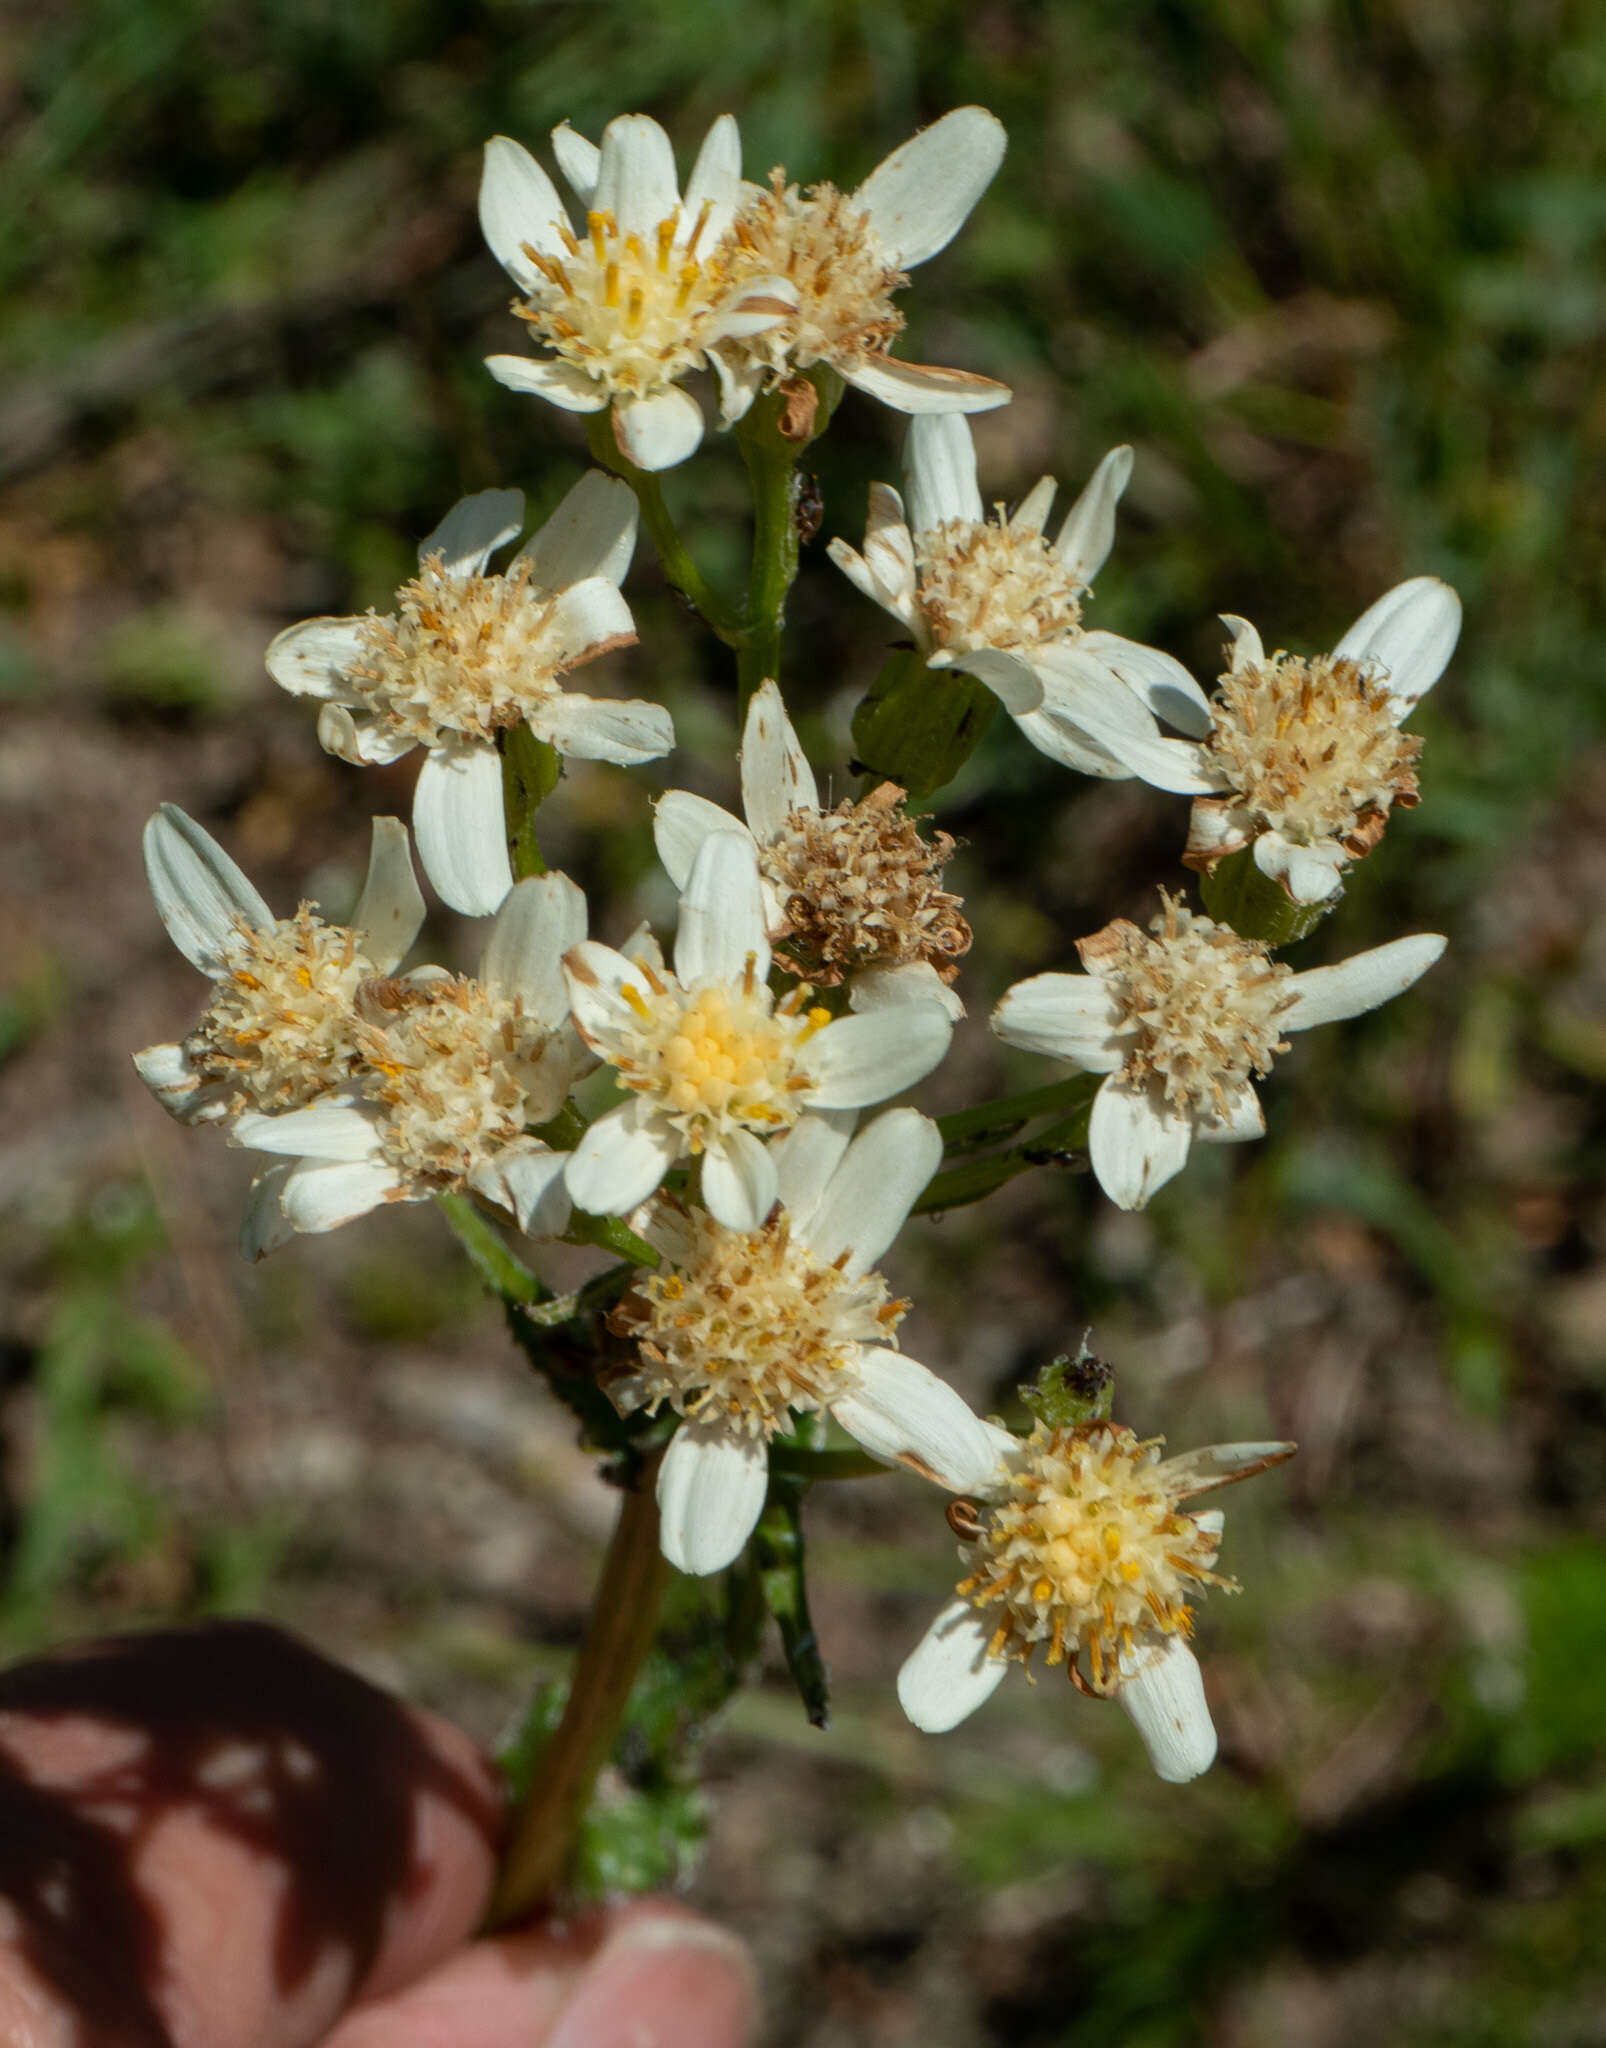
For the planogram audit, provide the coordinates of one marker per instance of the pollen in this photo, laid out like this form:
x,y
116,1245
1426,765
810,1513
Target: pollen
x,y
716,1057
464,654
1312,748
860,887
281,1028
750,1327
1086,1548
983,584
459,1071
1197,1006
821,241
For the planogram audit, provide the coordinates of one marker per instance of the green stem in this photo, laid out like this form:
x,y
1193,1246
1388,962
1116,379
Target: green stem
x,y
1008,1112
611,1234
961,1185
488,1252
624,1620
678,566
772,464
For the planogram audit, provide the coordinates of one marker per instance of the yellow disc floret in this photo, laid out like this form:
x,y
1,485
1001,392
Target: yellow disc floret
x,y
822,243
1086,1548
280,1029
749,1327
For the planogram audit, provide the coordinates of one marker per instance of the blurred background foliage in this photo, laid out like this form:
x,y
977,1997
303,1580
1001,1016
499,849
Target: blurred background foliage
x,y
1337,269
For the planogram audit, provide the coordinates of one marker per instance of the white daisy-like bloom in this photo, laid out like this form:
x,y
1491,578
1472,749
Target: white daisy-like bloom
x,y
845,254
850,894
1079,1545
643,292
453,1072
282,1028
741,1331
996,599
466,655
1305,752
712,1064
1182,1019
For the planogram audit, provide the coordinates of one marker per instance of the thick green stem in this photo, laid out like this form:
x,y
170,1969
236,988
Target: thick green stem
x,y
772,464
624,1620
1004,1116
673,553
488,1253
962,1185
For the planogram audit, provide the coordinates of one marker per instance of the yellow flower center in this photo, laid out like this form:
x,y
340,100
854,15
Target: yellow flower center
x,y
718,1056
822,243
982,585
749,1327
1087,1549
1312,747
634,313
280,1028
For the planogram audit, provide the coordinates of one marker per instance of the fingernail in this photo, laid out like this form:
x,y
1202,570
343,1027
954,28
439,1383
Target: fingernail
x,y
663,1981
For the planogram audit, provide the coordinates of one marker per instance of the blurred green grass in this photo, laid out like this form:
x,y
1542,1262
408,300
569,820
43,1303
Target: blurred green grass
x,y
1339,272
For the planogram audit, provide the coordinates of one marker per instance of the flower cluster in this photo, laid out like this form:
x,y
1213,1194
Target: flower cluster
x,y
698,1114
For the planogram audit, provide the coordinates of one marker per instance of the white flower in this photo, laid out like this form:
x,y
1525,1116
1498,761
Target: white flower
x,y
637,299
994,598
453,1070
739,1331
467,655
845,256
281,1029
852,893
1306,752
711,1060
1081,1546
1180,1019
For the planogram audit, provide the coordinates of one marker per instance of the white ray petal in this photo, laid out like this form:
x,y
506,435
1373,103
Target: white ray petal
x,y
680,824
859,1060
311,659
901,1413
1067,1016
559,383
169,1073
1061,741
339,1127
910,981
805,1159
597,977
592,533
1311,873
1409,634
473,530
319,1196
924,387
626,730
1166,1702
619,1161
457,822
1136,1143
889,554
722,925
578,159
636,180
1088,534
1158,681
764,301
776,776
939,464
715,181
1031,514
265,1227
921,196
739,384
711,1488
661,430
528,1178
1325,995
1244,1119
1013,680
738,1180
868,1198
949,1673
364,745
1191,1473
1244,646
540,920
519,203
391,906
201,896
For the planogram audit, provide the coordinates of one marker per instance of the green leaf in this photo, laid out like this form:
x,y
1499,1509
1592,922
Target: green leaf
x,y
530,772
778,1545
919,726
1236,893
